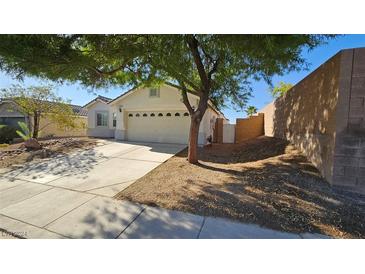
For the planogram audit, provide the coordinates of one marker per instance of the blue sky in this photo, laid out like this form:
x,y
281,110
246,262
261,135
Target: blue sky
x,y
261,95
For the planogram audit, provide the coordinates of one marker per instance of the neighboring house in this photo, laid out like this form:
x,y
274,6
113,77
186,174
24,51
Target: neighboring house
x,y
10,115
148,115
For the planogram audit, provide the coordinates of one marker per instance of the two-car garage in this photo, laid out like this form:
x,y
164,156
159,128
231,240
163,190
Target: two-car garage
x,y
149,115
158,126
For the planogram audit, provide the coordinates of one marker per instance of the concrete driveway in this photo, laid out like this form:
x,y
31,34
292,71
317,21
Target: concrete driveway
x,y
39,194
71,197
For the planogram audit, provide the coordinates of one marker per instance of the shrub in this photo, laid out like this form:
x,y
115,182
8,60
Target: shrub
x,y
24,131
7,134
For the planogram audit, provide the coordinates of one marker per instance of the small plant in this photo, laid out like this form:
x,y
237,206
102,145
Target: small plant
x,y
24,131
7,134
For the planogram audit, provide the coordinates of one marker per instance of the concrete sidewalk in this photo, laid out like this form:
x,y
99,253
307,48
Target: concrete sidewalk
x,y
91,217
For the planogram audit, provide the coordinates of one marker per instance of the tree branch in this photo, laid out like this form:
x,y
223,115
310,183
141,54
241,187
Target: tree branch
x,y
213,70
193,46
110,72
186,99
180,87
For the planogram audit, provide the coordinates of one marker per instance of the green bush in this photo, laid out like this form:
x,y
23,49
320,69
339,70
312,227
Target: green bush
x,y
7,134
24,131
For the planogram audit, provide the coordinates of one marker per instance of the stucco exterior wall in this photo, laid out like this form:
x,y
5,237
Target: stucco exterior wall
x,y
100,131
139,100
50,128
323,115
207,126
229,131
269,111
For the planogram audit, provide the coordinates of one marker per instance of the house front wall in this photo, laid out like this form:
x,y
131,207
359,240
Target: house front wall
x,y
100,131
147,128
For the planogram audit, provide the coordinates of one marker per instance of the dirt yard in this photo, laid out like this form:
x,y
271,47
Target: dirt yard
x,y
17,154
263,181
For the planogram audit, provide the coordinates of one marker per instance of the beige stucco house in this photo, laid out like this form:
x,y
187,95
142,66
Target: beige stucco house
x,y
148,115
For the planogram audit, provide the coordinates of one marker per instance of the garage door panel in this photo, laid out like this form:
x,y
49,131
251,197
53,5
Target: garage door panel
x,y
157,128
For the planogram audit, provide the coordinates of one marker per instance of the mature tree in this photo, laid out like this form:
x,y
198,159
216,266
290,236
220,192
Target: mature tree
x,y
251,110
40,102
280,89
216,68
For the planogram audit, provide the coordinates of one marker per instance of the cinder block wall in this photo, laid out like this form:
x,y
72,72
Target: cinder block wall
x,y
349,154
323,115
218,131
248,128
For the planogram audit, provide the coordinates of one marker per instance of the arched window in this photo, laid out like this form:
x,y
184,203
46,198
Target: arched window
x,y
168,114
177,114
160,115
137,115
152,115
144,114
186,114
130,115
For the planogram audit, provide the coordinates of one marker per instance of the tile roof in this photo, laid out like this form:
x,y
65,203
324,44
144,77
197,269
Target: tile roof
x,y
78,110
103,98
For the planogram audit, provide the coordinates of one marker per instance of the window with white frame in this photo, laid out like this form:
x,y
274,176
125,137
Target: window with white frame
x,y
154,92
102,119
114,119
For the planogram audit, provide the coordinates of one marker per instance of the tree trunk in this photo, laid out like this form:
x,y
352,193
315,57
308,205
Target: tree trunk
x,y
36,118
193,140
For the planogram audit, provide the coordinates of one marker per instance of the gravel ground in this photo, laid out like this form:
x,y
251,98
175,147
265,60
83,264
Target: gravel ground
x,y
264,181
17,154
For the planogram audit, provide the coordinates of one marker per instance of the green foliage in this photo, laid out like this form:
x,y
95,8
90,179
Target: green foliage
x,y
40,102
281,89
7,134
24,131
228,62
251,110
219,68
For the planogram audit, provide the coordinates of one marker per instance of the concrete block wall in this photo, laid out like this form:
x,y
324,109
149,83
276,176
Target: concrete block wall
x,y
349,153
248,128
218,131
324,116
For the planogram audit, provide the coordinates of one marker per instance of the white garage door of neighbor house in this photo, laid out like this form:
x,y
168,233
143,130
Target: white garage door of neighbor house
x,y
161,127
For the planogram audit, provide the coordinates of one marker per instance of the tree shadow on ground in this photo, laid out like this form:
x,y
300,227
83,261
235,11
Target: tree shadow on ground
x,y
247,151
273,186
60,165
287,194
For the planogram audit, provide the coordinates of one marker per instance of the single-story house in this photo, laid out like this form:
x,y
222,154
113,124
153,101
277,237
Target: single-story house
x,y
148,115
10,115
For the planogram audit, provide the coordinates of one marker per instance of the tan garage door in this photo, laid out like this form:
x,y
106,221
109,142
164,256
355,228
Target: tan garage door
x,y
161,127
